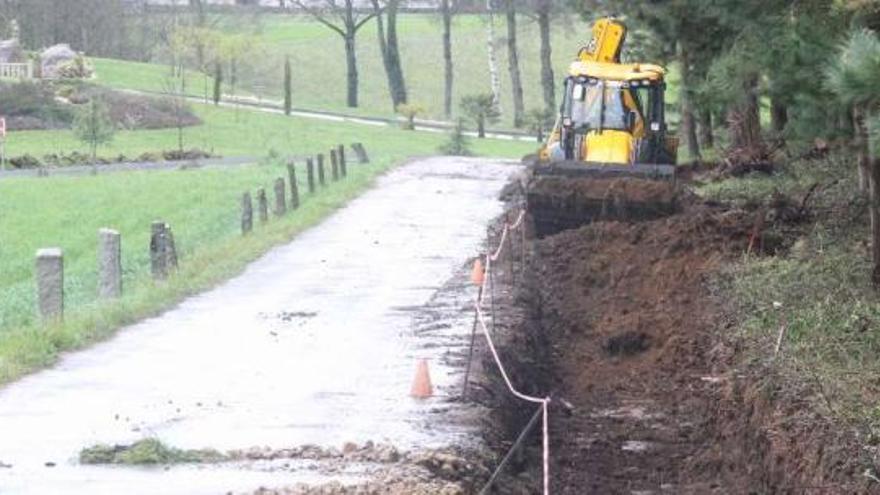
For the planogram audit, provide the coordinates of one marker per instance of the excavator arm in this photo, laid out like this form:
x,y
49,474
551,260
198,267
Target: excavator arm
x,y
609,36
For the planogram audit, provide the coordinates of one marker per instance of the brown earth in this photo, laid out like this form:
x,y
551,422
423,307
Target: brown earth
x,y
650,392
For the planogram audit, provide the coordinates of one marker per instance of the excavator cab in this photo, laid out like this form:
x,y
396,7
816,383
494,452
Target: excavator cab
x,y
612,122
610,154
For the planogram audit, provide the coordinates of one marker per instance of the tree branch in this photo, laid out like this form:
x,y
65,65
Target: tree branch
x,y
320,17
367,18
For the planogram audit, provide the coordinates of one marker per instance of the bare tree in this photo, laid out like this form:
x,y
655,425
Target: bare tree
x,y
513,64
543,11
390,49
446,11
494,80
348,22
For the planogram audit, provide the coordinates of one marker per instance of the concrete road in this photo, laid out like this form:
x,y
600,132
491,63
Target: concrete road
x,y
315,343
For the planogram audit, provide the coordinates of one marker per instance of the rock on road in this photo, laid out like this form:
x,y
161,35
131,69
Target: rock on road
x,y
313,344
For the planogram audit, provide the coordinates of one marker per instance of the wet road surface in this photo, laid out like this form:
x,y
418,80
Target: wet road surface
x,y
315,343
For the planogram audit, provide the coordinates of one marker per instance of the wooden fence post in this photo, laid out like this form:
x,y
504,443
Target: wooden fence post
x,y
109,264
247,213
262,205
321,170
158,265
294,187
343,168
334,165
280,197
310,175
50,283
361,153
163,251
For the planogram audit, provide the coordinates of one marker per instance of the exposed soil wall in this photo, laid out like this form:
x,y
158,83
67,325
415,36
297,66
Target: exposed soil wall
x,y
619,321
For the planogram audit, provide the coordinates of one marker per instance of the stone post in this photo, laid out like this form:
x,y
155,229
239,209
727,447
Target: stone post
x,y
310,175
262,205
294,187
334,165
280,197
50,283
321,170
247,213
109,264
343,168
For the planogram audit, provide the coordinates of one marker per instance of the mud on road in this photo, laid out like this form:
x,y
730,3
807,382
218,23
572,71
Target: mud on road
x,y
621,322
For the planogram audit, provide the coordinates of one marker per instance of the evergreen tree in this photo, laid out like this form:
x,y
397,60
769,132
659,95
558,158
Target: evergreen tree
x,y
92,125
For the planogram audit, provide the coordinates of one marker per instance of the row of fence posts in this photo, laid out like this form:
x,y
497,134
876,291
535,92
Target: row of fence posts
x,y
163,250
314,181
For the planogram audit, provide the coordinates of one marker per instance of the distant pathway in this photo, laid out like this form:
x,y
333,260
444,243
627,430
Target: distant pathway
x,y
74,170
269,106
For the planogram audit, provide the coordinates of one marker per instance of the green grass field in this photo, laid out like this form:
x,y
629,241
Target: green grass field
x,y
317,56
247,133
201,205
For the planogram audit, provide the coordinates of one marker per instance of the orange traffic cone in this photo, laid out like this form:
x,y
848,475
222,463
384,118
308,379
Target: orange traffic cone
x,y
478,273
422,388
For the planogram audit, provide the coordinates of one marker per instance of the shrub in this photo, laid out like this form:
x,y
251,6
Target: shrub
x,y
458,143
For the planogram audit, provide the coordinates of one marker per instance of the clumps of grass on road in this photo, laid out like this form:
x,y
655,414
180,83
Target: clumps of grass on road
x,y
149,451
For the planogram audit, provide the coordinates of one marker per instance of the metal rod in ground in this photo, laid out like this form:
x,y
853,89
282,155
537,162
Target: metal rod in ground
x,y
522,436
510,250
522,252
467,371
491,284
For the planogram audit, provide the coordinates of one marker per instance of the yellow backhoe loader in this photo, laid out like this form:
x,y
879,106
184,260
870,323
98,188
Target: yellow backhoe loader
x,y
609,154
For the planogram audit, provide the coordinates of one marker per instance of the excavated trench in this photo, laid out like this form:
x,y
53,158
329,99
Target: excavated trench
x,y
620,321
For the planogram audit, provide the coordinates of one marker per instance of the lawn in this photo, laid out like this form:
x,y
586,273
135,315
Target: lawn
x,y
202,206
317,56
247,133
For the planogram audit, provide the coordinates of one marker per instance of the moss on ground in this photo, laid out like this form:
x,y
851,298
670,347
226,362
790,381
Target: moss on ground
x,y
147,452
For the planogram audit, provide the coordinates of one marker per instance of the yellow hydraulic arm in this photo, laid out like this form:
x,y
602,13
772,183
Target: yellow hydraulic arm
x,y
608,38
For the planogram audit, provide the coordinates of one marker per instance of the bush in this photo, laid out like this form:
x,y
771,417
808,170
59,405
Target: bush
x,y
30,102
458,143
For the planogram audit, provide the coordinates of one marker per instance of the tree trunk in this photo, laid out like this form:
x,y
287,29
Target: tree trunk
x,y
288,87
875,220
778,115
494,80
861,145
351,70
395,69
744,120
548,80
481,127
688,127
446,11
390,51
707,138
513,65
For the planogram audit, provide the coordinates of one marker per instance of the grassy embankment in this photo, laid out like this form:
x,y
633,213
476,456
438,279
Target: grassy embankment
x,y
828,307
201,205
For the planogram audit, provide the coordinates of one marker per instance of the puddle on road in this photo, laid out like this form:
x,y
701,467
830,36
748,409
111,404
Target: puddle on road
x,y
316,343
